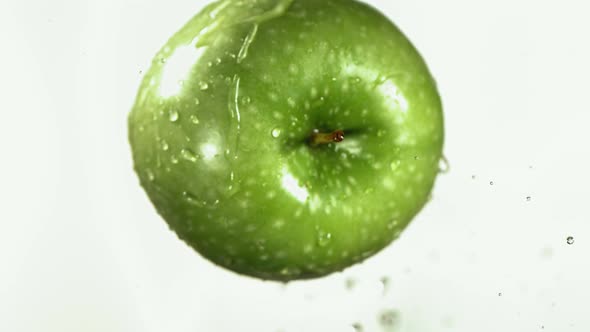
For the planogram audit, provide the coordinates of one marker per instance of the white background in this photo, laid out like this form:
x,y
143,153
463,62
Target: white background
x,y
81,248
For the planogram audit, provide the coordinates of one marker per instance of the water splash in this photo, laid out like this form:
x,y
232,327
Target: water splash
x,y
281,8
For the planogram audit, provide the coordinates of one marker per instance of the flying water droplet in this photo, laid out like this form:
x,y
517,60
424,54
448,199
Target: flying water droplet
x,y
570,240
389,319
173,115
528,198
189,155
276,132
385,284
491,183
357,327
350,283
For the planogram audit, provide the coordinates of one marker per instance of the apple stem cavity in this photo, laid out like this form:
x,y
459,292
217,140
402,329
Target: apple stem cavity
x,y
318,138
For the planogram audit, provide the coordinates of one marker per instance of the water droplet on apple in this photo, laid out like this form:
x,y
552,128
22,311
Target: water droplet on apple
x,y
173,159
197,101
260,244
189,155
392,224
164,145
570,240
173,115
192,199
203,85
324,238
395,164
314,92
290,271
293,69
276,132
246,100
291,102
194,119
150,175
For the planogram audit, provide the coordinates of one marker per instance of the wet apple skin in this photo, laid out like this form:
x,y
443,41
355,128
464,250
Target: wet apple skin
x,y
221,125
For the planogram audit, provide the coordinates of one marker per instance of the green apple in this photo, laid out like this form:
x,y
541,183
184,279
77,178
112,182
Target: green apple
x,y
287,139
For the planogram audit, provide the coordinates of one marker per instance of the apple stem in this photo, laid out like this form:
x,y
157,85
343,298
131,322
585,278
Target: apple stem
x,y
318,138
